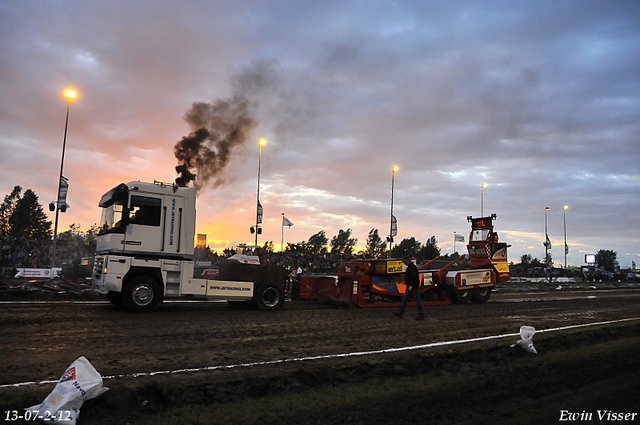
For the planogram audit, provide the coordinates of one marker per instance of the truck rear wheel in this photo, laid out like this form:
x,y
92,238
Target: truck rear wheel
x,y
269,296
141,293
481,295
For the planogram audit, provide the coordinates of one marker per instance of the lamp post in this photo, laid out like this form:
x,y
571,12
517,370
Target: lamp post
x,y
393,220
546,242
54,260
566,247
482,199
261,143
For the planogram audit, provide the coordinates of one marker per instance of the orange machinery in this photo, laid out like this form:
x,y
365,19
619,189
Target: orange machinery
x,y
380,282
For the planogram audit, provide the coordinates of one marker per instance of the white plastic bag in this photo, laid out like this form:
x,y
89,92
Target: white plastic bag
x,y
526,343
80,382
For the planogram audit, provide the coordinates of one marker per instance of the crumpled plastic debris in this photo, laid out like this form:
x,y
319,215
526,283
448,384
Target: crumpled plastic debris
x,y
526,343
80,382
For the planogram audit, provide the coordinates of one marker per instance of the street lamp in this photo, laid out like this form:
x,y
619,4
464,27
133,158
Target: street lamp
x,y
70,95
547,242
482,199
566,247
257,229
393,228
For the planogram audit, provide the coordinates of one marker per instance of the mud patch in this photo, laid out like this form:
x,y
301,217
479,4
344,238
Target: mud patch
x,y
464,386
476,382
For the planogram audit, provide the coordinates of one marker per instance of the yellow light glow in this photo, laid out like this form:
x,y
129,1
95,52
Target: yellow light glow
x,y
395,168
483,185
566,206
71,94
262,142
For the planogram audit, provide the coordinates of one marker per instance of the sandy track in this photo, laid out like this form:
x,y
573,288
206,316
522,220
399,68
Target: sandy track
x,y
39,340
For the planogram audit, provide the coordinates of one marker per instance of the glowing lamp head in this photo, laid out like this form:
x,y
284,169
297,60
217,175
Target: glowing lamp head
x,y
262,142
70,94
395,168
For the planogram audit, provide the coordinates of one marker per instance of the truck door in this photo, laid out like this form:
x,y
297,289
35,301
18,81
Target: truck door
x,y
144,229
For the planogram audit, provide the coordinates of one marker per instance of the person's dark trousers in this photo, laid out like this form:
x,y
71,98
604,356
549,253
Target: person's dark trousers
x,y
415,293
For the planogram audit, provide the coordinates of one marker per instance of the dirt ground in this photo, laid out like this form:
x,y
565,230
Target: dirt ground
x,y
40,339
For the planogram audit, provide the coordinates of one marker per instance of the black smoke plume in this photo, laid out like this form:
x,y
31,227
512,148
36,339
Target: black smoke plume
x,y
217,129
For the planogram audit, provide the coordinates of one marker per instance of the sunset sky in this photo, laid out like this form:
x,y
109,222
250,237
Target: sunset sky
x,y
539,100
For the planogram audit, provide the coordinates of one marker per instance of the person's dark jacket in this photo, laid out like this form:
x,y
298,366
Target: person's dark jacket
x,y
412,276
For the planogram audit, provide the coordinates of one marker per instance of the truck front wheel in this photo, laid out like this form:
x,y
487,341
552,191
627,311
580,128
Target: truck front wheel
x,y
269,296
141,294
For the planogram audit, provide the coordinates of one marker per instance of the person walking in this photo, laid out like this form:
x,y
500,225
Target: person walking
x,y
412,281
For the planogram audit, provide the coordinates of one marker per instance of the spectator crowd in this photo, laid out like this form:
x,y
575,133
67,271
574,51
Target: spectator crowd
x,y
36,253
319,263
23,252
17,252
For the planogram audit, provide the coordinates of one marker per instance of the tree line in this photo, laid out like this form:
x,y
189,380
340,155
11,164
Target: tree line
x,y
606,259
23,218
26,234
21,215
344,244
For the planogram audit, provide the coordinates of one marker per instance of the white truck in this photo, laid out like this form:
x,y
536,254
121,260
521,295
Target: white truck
x,y
145,251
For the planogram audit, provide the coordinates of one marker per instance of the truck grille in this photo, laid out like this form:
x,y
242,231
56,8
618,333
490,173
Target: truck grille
x,y
98,266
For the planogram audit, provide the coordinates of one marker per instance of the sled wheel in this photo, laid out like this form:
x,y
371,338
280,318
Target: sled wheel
x,y
115,298
141,294
462,296
269,296
481,295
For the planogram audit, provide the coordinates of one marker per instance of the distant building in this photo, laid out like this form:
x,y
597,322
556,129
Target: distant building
x,y
201,240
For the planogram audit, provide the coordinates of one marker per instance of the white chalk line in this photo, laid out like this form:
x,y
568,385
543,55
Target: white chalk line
x,y
332,356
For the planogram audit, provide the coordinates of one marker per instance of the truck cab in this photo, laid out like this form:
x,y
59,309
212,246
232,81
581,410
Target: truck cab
x,y
485,251
145,253
145,218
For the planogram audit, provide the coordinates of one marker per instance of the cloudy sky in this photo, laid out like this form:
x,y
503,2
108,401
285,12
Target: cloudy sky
x,y
540,100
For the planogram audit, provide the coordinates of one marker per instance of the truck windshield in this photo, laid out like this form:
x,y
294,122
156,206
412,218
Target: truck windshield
x,y
113,207
480,235
111,220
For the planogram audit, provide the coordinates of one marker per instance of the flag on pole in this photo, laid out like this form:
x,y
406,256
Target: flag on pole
x,y
64,187
459,238
394,226
566,249
286,222
62,195
259,220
